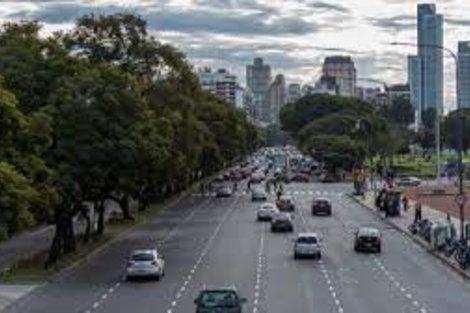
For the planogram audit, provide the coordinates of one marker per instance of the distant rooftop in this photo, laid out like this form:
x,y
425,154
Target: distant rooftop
x,y
338,59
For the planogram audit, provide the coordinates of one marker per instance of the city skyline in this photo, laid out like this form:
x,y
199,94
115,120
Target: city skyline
x,y
293,36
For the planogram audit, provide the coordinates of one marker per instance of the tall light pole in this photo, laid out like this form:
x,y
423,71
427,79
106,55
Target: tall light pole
x,y
461,193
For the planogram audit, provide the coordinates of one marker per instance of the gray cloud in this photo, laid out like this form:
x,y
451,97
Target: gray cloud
x,y
395,23
197,21
325,6
194,20
457,22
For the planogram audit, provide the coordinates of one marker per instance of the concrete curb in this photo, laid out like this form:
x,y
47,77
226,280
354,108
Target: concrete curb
x,y
419,241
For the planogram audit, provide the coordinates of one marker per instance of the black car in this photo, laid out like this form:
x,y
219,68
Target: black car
x,y
321,206
223,300
282,222
368,240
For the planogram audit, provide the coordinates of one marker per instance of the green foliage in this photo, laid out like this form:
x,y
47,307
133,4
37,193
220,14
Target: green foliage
x,y
339,131
336,151
400,112
428,117
297,115
103,111
450,129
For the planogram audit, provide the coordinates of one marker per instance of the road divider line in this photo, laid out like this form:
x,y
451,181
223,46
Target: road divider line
x,y
169,235
204,251
259,271
398,286
331,288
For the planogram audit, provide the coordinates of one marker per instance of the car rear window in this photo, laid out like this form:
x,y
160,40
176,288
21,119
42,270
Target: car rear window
x,y
139,257
309,240
211,299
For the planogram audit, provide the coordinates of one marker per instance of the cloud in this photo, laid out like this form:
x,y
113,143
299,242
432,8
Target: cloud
x,y
201,21
457,22
190,20
325,6
395,23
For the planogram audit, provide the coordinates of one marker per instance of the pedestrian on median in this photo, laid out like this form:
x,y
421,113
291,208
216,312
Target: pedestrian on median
x,y
418,213
405,203
248,186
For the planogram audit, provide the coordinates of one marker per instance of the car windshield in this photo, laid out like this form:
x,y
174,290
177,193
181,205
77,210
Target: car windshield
x,y
309,240
141,257
211,299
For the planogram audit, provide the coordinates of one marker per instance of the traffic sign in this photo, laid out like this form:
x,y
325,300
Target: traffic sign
x,y
461,199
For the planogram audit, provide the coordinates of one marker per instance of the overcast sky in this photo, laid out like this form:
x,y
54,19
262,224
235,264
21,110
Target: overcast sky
x,y
292,35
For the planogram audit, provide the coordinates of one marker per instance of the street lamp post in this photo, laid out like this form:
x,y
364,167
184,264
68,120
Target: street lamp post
x,y
461,194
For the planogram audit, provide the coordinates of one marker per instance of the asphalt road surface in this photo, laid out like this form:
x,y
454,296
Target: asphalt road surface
x,y
208,241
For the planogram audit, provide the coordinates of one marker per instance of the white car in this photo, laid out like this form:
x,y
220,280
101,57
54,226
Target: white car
x,y
408,181
145,264
266,212
307,245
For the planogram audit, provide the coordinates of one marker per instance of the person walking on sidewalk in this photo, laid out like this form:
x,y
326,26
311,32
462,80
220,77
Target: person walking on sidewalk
x,y
418,212
405,203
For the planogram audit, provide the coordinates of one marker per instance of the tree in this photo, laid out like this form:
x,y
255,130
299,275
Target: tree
x,y
297,115
428,117
400,112
450,128
103,111
335,151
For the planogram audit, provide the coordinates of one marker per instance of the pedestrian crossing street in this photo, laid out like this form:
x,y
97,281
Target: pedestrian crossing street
x,y
317,193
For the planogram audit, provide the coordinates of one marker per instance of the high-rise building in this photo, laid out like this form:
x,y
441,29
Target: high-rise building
x,y
220,83
396,91
326,85
294,93
464,74
367,94
342,68
430,36
258,79
277,97
415,81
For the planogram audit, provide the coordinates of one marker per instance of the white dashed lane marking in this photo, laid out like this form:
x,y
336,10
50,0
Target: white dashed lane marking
x,y
287,192
203,254
259,273
405,292
102,298
331,288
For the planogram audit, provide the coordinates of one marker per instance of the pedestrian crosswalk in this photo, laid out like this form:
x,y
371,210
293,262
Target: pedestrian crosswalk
x,y
316,193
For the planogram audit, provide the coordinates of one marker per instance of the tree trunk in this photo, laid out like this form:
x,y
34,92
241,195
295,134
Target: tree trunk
x,y
64,239
85,214
100,209
126,212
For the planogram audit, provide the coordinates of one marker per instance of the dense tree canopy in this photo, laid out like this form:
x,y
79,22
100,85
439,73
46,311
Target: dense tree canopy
x,y
451,132
400,112
339,131
103,111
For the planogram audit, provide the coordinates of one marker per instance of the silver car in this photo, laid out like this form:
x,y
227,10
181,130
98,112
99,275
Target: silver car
x,y
266,211
258,195
146,263
307,245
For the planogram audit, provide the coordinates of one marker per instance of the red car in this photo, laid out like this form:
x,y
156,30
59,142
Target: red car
x,y
321,206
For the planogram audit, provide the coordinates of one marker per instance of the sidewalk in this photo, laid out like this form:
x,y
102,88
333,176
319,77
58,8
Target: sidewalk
x,y
402,222
32,242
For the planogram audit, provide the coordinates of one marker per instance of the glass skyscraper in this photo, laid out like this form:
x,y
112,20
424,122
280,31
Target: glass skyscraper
x,y
430,36
415,78
464,74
